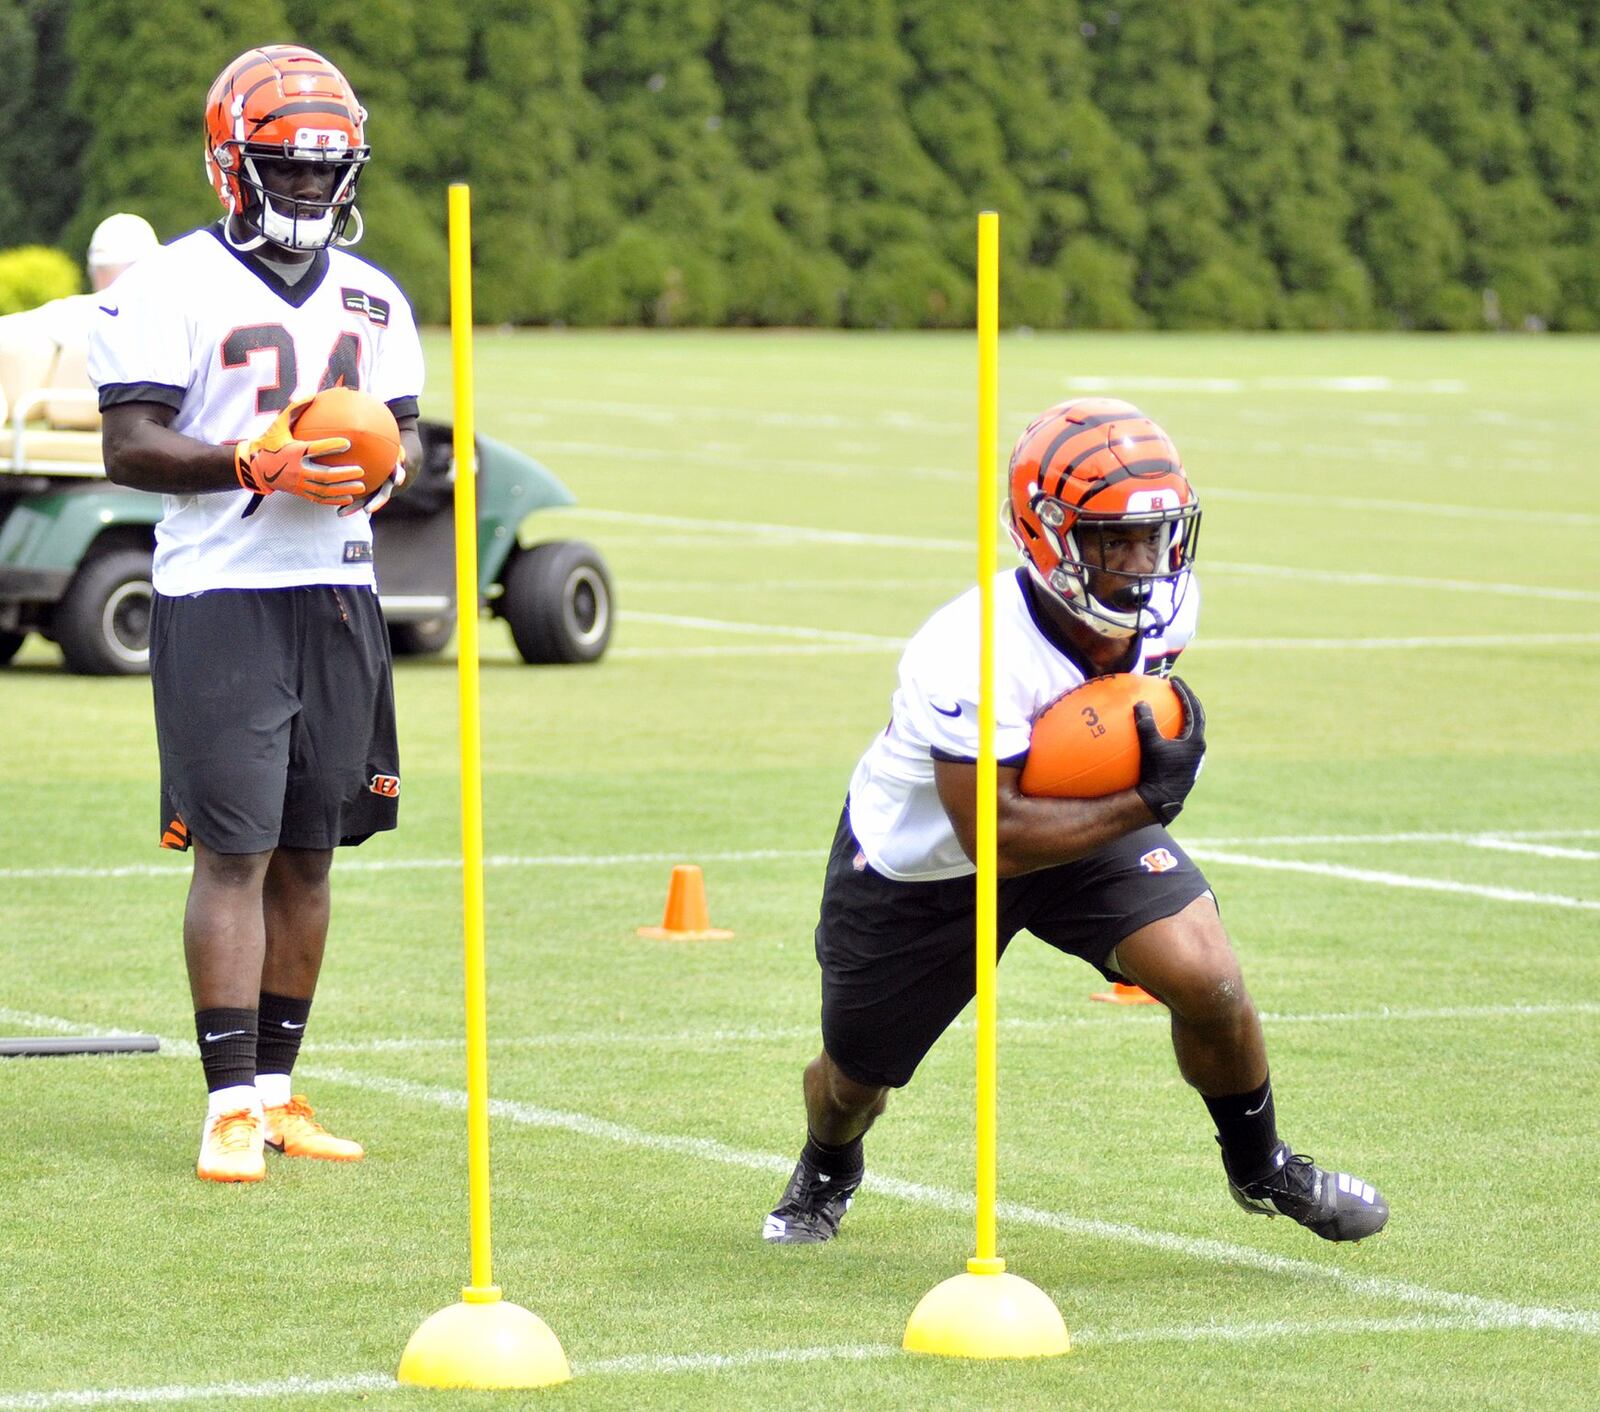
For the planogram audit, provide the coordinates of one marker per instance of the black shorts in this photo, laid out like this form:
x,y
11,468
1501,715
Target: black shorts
x,y
898,960
274,718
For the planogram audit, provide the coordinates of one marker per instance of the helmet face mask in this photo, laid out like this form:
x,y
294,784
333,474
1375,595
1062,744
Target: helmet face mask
x,y
1103,515
270,112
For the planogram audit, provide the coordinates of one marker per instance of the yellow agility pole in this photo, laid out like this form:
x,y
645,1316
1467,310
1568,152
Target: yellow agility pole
x,y
484,1341
986,1313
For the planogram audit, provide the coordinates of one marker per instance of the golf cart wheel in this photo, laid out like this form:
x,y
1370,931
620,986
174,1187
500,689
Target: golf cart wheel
x,y
103,622
10,645
557,601
421,639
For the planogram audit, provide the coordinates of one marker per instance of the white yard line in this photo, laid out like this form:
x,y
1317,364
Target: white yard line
x,y
1573,520
1205,850
859,641
821,645
703,1039
1465,1310
670,1363
796,534
699,452
804,534
1227,569
767,649
1483,1311
50,1024
1501,1313
773,1034
1200,852
678,620
1356,383
1386,644
1539,850
950,582
196,1392
1401,880
1411,836
1204,645
1505,1313
493,860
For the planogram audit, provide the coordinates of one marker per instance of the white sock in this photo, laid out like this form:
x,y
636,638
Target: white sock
x,y
272,1089
231,1099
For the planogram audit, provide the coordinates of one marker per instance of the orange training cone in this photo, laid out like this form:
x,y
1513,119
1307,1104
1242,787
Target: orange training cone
x,y
686,917
1122,994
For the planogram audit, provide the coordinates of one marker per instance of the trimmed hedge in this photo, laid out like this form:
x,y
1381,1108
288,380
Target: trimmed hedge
x,y
31,275
1221,163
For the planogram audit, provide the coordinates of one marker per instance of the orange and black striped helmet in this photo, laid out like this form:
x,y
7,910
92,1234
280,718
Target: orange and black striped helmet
x,y
285,104
1090,465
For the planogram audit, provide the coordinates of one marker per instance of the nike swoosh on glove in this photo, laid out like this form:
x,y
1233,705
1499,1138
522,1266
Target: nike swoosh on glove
x,y
275,461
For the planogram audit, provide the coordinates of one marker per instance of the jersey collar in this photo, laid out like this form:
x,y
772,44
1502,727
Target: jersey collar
x,y
294,295
1059,640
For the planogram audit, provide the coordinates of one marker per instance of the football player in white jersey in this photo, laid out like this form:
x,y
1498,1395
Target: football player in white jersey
x,y
269,657
1107,524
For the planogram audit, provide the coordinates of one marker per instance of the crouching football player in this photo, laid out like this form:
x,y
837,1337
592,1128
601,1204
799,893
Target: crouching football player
x,y
1106,522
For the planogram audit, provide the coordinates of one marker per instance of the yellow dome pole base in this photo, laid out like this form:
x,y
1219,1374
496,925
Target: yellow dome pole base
x,y
986,1313
483,1342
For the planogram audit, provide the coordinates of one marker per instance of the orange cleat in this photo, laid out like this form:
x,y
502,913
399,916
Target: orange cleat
x,y
230,1147
294,1132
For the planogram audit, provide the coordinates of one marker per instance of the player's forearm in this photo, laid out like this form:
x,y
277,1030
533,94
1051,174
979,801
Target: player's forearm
x,y
1034,833
148,456
411,444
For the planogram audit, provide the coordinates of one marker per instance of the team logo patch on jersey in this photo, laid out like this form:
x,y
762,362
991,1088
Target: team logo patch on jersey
x,y
369,306
859,862
358,551
1158,860
386,785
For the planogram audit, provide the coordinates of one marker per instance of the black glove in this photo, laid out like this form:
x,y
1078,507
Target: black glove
x,y
1169,768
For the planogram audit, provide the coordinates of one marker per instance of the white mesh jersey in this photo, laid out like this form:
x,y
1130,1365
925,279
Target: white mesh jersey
x,y
895,811
224,341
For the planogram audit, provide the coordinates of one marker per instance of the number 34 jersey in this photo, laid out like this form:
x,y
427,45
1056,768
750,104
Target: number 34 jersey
x,y
222,339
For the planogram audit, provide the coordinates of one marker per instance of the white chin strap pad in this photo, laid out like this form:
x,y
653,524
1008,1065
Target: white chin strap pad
x,y
296,235
1075,606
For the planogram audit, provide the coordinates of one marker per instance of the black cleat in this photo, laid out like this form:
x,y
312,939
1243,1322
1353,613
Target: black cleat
x,y
813,1205
1335,1205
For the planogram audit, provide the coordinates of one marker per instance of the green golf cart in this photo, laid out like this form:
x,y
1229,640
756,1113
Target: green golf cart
x,y
75,552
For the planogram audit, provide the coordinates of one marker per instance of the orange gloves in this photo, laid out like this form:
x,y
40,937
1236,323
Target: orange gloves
x,y
275,460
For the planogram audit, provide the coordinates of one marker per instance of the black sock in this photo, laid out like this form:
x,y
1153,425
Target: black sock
x,y
843,1161
227,1046
283,1023
1247,1128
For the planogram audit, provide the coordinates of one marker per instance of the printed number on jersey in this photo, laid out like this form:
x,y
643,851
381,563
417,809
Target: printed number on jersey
x,y
344,362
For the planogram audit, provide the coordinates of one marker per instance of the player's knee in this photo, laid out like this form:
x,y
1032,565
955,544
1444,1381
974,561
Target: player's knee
x,y
302,867
1207,986
230,870
842,1093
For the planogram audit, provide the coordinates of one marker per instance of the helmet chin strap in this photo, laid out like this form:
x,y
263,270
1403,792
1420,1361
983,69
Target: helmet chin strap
x,y
227,231
344,239
1079,610
293,233
1115,631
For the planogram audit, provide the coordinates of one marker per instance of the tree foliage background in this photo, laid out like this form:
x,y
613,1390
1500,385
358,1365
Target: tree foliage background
x,y
1220,163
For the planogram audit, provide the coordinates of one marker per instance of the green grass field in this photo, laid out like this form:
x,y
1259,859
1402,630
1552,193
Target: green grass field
x,y
1398,656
